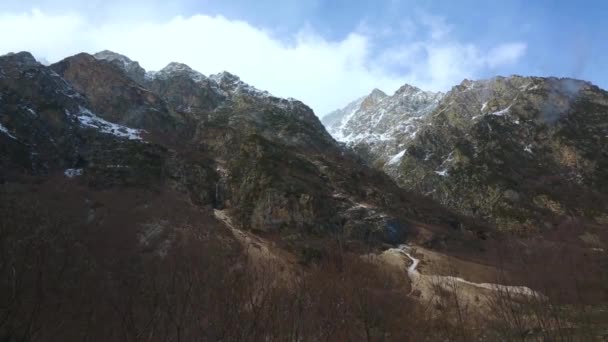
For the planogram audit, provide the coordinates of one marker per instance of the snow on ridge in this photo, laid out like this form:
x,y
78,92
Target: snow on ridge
x,y
71,173
529,86
442,173
225,79
86,118
338,132
7,132
502,112
175,68
108,55
223,82
397,157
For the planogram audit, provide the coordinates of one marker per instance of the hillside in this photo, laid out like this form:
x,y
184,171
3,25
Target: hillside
x,y
524,153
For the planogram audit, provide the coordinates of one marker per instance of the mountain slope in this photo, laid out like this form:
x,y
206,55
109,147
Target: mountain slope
x,y
518,151
521,152
378,126
222,143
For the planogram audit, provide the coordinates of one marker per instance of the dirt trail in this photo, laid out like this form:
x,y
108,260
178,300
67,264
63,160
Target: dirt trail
x,y
425,286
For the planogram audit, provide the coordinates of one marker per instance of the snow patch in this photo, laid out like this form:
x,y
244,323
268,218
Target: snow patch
x,y
71,173
338,132
528,149
88,119
7,132
31,111
502,112
484,105
442,173
396,158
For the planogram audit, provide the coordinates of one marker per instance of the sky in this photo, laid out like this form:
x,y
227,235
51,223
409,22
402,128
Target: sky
x,y
325,53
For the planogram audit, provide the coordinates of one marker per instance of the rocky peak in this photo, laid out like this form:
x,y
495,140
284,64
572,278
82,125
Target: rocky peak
x,y
175,69
378,125
131,68
21,74
407,89
48,119
372,99
113,94
113,56
225,77
23,58
377,93
233,84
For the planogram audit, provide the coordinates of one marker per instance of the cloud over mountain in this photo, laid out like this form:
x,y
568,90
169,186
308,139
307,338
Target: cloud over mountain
x,y
322,72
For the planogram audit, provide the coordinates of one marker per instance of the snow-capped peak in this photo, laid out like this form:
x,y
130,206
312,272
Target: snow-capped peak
x,y
108,55
407,89
178,69
132,68
225,77
377,93
232,83
385,124
224,83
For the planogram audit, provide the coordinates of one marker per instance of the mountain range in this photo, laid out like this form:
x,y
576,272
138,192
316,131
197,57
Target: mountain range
x,y
523,153
103,121
172,205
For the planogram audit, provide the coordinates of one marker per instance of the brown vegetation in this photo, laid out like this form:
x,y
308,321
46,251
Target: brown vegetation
x,y
123,280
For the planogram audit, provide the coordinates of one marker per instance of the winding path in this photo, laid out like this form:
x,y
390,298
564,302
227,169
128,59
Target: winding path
x,y
422,282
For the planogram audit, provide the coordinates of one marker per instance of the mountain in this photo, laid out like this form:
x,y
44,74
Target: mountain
x,y
171,205
377,126
131,68
525,153
222,143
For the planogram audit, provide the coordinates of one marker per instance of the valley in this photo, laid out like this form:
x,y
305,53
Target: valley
x,y
172,206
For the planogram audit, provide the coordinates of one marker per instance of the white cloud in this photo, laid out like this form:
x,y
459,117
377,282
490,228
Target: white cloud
x,y
324,74
506,54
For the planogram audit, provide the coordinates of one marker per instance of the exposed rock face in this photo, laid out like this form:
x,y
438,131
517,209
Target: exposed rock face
x,y
216,140
521,152
131,68
379,126
113,94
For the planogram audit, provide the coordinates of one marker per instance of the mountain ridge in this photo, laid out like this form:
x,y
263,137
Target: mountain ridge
x,y
533,118
267,160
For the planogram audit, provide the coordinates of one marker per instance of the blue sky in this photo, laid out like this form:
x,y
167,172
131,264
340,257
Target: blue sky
x,y
564,38
326,53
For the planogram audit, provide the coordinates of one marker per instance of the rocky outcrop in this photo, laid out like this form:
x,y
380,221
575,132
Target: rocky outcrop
x,y
131,68
113,95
